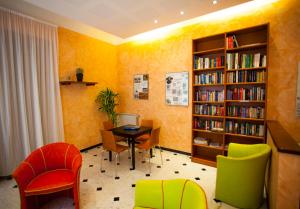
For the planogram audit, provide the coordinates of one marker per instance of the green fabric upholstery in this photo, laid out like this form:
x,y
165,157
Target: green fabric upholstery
x,y
169,194
241,175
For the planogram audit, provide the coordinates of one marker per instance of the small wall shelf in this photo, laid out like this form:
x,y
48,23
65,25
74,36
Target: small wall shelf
x,y
78,82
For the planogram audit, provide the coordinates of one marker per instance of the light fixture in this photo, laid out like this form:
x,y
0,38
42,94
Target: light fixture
x,y
155,21
182,12
215,2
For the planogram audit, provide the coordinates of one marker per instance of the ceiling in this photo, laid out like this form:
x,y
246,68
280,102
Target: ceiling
x,y
120,18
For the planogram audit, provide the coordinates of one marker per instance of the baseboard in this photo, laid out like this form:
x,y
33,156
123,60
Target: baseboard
x,y
6,177
91,147
174,150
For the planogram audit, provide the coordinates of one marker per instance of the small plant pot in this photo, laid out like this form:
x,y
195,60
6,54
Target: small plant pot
x,y
79,77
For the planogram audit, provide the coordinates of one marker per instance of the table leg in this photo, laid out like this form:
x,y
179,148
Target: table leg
x,y
110,155
132,153
151,152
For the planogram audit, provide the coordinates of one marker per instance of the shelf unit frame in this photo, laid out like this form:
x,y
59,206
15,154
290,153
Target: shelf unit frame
x,y
224,137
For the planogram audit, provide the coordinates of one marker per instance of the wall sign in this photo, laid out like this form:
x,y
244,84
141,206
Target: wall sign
x,y
141,86
177,85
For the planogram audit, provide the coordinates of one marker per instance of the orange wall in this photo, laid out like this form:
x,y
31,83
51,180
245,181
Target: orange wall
x,y
82,120
174,53
114,66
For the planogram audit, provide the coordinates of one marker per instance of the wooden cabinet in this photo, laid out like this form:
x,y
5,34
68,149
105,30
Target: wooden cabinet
x,y
229,91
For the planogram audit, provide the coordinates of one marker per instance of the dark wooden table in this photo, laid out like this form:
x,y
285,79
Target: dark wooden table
x,y
131,135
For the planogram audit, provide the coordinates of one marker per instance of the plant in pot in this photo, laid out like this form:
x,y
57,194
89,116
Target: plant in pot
x,y
79,74
107,100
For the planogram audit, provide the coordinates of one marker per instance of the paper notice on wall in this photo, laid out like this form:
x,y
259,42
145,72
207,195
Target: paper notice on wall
x,y
298,93
141,86
177,88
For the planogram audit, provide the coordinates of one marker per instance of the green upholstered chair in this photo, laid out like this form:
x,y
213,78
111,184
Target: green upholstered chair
x,y
241,175
169,194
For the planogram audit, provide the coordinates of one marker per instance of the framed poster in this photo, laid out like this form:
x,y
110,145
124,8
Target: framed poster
x,y
177,88
141,86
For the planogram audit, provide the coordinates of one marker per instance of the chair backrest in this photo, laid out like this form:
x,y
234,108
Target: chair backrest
x,y
108,125
154,138
170,194
108,140
147,123
52,156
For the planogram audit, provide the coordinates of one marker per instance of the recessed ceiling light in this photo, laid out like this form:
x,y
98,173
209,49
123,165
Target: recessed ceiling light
x,y
155,21
182,12
215,1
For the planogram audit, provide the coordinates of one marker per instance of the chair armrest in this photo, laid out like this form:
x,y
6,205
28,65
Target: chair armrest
x,y
23,174
76,164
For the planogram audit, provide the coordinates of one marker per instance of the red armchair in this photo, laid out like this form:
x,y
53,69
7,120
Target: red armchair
x,y
50,169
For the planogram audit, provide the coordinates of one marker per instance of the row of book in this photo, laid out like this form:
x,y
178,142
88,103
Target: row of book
x,y
210,78
207,124
214,110
207,142
244,128
208,62
252,93
209,95
246,112
245,76
238,60
231,42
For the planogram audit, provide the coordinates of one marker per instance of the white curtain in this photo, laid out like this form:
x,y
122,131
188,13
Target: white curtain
x,y
30,104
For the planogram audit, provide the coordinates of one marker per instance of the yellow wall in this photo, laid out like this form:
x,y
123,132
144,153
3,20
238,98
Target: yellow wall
x,y
82,120
174,53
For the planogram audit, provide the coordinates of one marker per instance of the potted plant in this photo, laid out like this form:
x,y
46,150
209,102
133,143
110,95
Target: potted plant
x,y
79,74
108,100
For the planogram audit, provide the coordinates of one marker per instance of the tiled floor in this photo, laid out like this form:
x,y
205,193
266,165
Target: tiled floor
x,y
101,191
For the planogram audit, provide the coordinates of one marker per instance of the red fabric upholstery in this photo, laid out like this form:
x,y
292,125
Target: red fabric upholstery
x,y
49,169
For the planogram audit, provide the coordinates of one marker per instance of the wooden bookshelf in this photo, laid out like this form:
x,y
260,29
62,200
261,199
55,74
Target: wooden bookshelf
x,y
238,60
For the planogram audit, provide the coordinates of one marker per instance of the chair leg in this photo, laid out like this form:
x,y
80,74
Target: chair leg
x,y
101,161
129,154
116,166
149,162
160,155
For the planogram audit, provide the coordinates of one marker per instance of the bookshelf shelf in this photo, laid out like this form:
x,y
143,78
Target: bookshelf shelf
x,y
208,131
210,51
217,84
245,69
245,101
247,136
246,119
247,83
208,116
209,147
246,50
209,69
208,102
247,47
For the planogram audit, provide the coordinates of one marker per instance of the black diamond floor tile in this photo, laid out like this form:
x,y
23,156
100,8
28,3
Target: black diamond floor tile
x,y
158,166
16,186
102,171
132,185
84,180
184,164
167,159
197,178
99,188
91,165
203,169
147,174
116,198
117,177
176,172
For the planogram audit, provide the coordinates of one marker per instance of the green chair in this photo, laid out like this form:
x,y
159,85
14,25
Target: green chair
x,y
241,175
169,194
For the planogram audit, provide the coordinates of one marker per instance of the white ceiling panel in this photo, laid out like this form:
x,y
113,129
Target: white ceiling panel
x,y
125,18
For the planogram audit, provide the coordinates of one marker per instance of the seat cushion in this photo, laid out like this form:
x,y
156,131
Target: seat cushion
x,y
143,137
50,181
